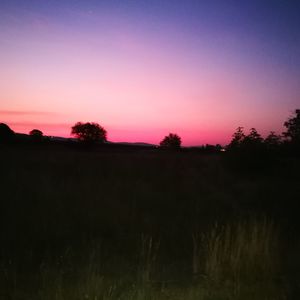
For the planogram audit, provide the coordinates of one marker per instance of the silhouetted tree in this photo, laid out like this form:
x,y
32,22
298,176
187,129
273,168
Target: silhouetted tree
x,y
272,140
6,134
36,134
171,141
273,143
293,128
89,132
253,142
237,138
253,139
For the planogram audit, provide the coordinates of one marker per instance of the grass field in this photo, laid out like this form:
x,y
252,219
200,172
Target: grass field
x,y
147,224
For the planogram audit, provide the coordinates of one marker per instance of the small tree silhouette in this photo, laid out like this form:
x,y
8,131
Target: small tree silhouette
x,y
253,142
171,141
89,132
293,128
240,141
237,138
253,138
6,133
36,134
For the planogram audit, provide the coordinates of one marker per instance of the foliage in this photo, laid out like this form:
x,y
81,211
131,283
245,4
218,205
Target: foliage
x,y
246,251
243,255
5,132
246,143
36,134
293,128
89,132
171,141
253,141
273,140
253,136
237,138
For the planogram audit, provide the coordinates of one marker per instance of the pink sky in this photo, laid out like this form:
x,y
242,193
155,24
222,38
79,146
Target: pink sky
x,y
138,84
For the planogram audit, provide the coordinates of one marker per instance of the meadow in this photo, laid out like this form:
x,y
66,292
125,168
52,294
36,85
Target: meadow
x,y
143,224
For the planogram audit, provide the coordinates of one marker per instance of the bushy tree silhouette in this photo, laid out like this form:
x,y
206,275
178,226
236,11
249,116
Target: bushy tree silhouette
x,y
171,141
36,134
293,128
89,132
6,134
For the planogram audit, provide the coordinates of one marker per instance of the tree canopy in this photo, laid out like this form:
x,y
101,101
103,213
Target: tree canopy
x,y
250,142
273,139
253,139
293,127
237,138
36,134
89,132
171,141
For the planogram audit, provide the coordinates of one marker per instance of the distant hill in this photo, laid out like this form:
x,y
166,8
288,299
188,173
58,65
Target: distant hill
x,y
135,144
27,137
124,145
61,139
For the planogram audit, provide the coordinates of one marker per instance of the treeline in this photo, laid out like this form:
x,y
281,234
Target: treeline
x,y
91,133
288,141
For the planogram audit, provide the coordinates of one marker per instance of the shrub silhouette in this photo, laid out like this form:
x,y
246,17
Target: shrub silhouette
x,y
171,141
89,132
36,134
6,134
293,128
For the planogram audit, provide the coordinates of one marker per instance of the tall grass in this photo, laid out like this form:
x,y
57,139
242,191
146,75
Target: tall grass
x,y
235,261
148,255
85,225
242,260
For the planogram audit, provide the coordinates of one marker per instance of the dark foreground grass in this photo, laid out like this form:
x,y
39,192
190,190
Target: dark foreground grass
x,y
100,224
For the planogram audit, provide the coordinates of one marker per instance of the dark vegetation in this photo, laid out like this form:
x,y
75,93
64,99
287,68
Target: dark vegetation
x,y
36,135
133,222
171,141
6,134
89,132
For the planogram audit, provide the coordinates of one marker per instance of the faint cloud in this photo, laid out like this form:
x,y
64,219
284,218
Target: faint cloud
x,y
55,129
52,125
26,113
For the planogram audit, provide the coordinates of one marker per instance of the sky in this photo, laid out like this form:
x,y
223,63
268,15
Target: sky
x,y
142,69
